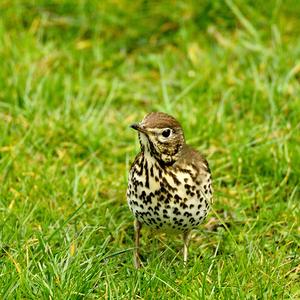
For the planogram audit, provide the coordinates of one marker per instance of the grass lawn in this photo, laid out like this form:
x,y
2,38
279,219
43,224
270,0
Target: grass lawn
x,y
75,74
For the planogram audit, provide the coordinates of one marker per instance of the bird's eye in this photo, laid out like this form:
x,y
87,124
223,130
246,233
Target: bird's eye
x,y
166,133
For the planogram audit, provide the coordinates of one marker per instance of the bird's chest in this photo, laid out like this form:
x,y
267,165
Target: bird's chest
x,y
165,198
150,183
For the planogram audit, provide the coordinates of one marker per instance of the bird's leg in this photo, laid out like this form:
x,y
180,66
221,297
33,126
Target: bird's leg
x,y
136,255
186,239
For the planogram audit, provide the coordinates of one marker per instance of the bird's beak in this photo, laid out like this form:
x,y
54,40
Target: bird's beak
x,y
138,127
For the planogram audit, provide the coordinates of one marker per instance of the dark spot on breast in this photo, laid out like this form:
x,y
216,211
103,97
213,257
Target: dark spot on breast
x,y
183,205
162,189
161,198
159,171
176,181
187,214
149,199
177,198
153,220
176,211
151,171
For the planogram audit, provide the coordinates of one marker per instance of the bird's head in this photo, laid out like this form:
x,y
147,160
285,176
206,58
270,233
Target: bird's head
x,y
161,136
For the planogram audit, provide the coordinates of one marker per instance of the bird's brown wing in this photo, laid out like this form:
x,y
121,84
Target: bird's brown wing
x,y
191,156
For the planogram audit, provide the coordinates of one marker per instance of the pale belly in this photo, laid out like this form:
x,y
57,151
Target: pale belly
x,y
169,200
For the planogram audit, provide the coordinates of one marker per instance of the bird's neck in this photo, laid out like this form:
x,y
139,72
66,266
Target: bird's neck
x,y
164,160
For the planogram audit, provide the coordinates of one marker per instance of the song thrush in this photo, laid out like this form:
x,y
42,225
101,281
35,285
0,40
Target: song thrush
x,y
169,184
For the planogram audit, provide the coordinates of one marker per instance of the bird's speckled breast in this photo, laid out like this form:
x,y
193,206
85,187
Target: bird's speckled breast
x,y
169,198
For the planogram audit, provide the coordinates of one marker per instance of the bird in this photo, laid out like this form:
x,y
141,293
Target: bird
x,y
169,183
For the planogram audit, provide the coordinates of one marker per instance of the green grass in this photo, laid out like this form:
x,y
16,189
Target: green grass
x,y
75,74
